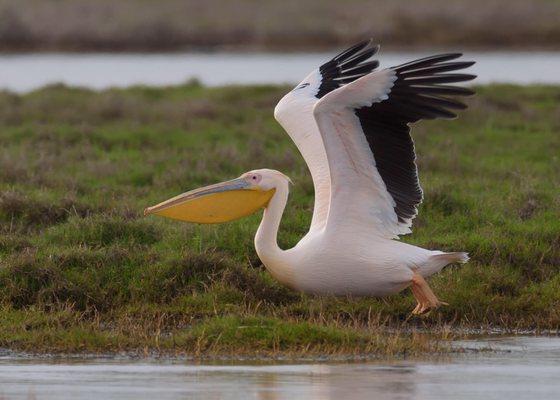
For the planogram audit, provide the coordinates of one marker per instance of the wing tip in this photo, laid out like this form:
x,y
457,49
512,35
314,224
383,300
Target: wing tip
x,y
350,51
348,66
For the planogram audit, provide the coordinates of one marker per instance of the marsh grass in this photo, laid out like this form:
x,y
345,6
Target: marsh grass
x,y
82,270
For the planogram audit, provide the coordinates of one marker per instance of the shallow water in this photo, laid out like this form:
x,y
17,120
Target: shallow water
x,y
25,72
519,368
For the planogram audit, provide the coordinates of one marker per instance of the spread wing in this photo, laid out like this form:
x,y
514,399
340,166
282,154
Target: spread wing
x,y
295,113
365,129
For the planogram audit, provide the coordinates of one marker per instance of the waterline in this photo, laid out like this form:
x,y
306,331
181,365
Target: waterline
x,y
521,368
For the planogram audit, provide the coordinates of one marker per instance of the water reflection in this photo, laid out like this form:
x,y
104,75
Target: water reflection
x,y
522,368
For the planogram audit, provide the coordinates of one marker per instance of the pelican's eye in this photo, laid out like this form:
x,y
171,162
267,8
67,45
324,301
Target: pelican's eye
x,y
254,178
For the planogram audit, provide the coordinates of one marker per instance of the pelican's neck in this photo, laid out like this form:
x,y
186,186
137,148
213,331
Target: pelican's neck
x,y
266,242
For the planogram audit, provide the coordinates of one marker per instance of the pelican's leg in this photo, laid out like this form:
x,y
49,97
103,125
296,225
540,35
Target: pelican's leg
x,y
419,299
424,295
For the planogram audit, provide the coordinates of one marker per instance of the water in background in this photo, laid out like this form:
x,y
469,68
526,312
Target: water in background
x,y
22,73
522,368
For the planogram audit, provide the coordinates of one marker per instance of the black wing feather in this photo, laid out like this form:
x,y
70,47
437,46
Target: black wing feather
x,y
352,50
417,94
439,68
440,89
347,67
364,68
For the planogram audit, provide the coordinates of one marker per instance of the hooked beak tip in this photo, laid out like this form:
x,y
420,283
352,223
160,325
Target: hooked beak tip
x,y
147,211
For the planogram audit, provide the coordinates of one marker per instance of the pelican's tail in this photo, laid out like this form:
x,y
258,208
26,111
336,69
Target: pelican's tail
x,y
438,261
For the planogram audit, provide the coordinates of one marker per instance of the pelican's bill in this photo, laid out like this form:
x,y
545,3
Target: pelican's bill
x,y
214,204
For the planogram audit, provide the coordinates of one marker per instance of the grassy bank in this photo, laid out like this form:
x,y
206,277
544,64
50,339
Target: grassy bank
x,y
82,270
143,25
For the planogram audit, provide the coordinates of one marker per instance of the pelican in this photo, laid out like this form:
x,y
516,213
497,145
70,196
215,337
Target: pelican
x,y
350,121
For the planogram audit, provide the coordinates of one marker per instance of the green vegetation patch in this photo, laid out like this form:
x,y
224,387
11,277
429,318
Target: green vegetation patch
x,y
82,270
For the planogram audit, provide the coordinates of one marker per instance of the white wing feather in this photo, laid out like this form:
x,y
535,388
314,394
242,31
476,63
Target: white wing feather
x,y
359,197
332,119
295,113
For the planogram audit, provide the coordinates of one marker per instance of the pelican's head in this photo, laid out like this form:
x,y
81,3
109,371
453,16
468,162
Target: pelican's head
x,y
223,202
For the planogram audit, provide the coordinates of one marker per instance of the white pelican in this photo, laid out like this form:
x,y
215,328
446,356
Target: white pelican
x,y
350,121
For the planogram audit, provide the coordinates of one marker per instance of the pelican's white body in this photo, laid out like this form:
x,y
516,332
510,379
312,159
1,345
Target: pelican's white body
x,y
351,260
350,247
318,266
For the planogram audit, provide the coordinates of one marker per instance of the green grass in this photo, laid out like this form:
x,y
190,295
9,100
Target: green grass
x,y
82,270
